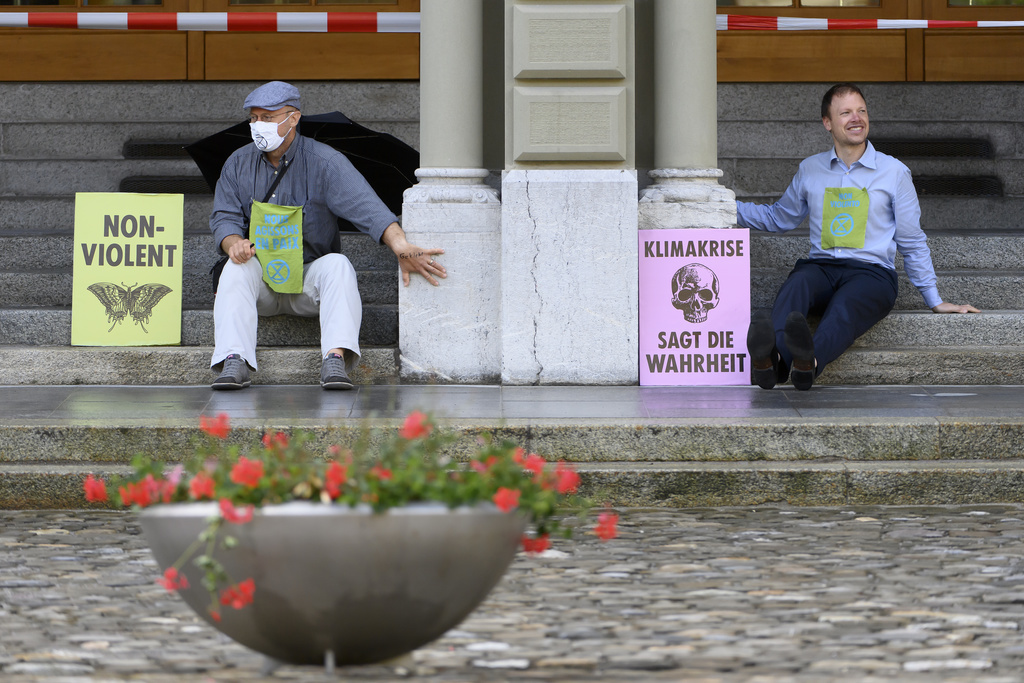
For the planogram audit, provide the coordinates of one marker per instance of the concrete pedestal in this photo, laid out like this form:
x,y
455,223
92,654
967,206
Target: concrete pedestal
x,y
569,277
450,333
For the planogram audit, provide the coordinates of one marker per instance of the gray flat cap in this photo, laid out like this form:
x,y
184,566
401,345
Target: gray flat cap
x,y
273,95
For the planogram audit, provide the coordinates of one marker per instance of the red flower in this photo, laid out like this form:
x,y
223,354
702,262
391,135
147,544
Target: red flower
x,y
416,425
534,463
143,493
518,456
233,514
279,440
214,614
239,595
167,490
506,499
172,580
217,427
606,526
381,473
247,472
335,478
95,490
536,545
201,486
566,479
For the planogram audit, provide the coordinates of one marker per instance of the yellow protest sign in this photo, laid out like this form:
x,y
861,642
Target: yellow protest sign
x,y
127,269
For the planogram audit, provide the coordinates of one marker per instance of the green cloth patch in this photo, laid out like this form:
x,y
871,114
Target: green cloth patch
x,y
844,217
276,232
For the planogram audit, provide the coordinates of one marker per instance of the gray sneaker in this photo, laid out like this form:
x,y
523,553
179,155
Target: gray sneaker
x,y
235,374
332,373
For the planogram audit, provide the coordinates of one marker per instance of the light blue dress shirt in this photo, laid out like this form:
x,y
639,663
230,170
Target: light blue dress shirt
x,y
894,214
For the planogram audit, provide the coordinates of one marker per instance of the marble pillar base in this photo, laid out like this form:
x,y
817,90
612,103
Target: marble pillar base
x,y
569,277
450,333
686,198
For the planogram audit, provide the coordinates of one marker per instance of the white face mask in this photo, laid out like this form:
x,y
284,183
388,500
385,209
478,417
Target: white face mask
x,y
264,134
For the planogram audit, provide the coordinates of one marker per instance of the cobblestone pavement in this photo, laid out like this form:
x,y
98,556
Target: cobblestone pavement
x,y
764,595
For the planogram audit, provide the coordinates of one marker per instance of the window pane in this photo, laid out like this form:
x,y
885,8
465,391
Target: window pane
x,y
24,3
986,3
313,2
755,3
840,3
270,2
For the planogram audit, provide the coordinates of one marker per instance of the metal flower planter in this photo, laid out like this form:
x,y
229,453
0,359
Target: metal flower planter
x,y
342,585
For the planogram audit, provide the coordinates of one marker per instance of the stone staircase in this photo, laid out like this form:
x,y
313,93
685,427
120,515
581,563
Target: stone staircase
x,y
61,138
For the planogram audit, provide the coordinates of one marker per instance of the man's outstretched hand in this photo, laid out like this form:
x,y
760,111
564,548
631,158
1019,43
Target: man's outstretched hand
x,y
945,307
413,259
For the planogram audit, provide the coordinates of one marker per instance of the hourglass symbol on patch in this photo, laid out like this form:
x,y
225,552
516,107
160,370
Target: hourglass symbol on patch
x,y
841,225
277,271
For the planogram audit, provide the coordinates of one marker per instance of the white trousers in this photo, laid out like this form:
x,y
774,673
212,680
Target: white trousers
x,y
329,290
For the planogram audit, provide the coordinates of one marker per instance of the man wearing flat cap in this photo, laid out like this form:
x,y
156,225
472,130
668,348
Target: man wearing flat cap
x,y
275,216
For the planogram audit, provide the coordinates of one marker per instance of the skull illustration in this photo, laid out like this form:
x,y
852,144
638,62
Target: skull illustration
x,y
695,291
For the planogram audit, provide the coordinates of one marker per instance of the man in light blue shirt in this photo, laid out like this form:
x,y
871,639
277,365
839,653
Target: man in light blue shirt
x,y
863,209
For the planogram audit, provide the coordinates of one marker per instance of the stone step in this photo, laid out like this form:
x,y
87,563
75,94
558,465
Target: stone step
x,y
175,365
991,290
679,447
104,102
106,140
36,270
797,140
52,327
640,485
54,288
951,250
40,248
967,364
36,214
746,177
771,176
189,365
67,176
51,250
995,290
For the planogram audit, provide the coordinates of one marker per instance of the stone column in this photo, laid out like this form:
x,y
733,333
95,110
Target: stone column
x,y
451,333
685,192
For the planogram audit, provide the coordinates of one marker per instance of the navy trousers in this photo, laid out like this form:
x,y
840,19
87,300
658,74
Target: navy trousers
x,y
850,296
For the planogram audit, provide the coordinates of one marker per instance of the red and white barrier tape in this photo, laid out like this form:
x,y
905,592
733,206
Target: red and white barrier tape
x,y
274,22
737,22
405,22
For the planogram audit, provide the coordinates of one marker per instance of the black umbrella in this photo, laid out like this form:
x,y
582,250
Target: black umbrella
x,y
387,163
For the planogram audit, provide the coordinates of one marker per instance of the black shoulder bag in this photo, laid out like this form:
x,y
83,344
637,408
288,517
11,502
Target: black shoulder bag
x,y
215,271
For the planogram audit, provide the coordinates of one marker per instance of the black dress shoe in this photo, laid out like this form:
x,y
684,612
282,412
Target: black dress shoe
x,y
800,343
764,359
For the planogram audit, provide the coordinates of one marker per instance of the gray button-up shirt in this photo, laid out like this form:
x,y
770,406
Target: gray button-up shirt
x,y
320,179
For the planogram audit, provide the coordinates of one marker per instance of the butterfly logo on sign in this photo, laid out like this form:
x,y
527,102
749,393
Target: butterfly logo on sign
x,y
138,301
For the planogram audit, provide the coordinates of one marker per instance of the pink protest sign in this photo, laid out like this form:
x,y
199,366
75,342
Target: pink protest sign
x,y
694,307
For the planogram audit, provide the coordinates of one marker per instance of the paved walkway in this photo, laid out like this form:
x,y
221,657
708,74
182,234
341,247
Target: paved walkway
x,y
764,595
